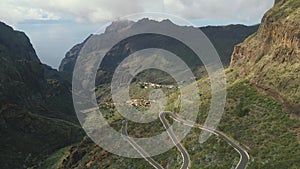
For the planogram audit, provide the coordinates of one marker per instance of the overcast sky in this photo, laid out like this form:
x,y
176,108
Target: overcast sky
x,y
54,26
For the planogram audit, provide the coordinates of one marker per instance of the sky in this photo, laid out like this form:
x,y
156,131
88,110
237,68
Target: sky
x,y
54,26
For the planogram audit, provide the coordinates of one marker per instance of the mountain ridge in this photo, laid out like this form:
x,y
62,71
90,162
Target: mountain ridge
x,y
223,38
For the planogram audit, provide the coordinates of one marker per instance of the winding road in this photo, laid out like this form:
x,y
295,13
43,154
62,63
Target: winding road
x,y
244,157
184,153
139,149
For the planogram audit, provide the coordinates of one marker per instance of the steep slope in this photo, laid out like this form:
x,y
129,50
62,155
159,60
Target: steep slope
x,y
262,110
36,114
271,58
19,63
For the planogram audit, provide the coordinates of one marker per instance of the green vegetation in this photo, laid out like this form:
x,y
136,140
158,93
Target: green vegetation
x,y
284,8
253,118
55,159
268,133
36,114
29,138
214,153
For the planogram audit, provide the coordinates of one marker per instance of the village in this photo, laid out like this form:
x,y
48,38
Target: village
x,y
139,102
147,85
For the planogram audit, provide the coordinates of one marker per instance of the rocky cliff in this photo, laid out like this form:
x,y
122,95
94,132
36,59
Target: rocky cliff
x,y
271,57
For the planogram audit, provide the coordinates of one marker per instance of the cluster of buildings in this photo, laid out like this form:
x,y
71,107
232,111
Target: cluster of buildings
x,y
147,85
138,102
108,105
131,103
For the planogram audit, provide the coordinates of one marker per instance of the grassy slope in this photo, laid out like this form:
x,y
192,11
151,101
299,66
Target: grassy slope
x,y
29,138
257,121
253,118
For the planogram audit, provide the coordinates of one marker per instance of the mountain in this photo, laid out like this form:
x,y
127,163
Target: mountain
x,y
26,82
223,38
36,113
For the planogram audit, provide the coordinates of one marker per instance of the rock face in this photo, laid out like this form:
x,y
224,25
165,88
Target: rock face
x,y
35,104
68,63
20,68
271,57
224,39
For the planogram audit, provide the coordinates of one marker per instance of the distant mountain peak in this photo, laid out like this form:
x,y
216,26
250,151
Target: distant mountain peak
x,y
119,25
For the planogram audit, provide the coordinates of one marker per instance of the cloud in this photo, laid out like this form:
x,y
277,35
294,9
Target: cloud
x,y
104,10
240,10
12,13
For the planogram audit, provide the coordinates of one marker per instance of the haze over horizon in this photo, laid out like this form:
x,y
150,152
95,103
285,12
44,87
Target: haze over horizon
x,y
54,27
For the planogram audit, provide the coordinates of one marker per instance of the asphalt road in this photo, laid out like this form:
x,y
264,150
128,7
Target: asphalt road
x,y
244,157
139,149
184,153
